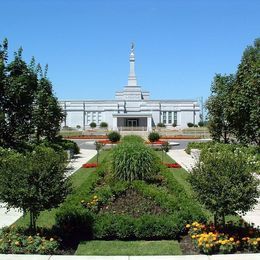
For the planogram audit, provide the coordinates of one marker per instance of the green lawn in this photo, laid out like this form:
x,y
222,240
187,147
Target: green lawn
x,y
100,247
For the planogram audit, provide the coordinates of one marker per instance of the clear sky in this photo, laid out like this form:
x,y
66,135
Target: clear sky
x,y
180,44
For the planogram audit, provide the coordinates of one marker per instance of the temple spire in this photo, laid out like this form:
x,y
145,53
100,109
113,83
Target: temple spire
x,y
132,78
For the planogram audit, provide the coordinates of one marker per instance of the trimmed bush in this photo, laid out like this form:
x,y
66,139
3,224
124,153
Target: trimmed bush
x,y
201,123
114,136
160,125
153,137
134,161
93,125
190,124
174,125
103,125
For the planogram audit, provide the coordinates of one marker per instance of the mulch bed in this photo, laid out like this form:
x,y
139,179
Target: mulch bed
x,y
134,204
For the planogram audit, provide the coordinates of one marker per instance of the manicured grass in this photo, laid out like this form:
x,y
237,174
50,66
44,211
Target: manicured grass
x,y
70,133
100,247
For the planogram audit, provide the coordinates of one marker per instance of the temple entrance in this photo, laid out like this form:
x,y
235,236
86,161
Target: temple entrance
x,y
132,122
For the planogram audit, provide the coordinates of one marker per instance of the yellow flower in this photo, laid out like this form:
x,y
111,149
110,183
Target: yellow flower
x,y
188,226
195,229
231,239
95,197
82,201
17,243
51,239
255,243
258,239
207,245
193,236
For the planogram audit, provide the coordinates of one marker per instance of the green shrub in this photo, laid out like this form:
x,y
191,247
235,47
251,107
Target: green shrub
x,y
160,125
174,125
153,137
201,123
134,161
103,125
93,125
114,136
70,145
190,124
74,224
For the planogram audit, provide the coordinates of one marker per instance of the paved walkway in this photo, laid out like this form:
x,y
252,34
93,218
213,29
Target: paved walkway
x,y
187,162
9,217
177,257
182,158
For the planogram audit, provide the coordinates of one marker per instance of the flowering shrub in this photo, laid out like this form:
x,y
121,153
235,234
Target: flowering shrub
x,y
93,204
172,165
89,165
209,239
14,242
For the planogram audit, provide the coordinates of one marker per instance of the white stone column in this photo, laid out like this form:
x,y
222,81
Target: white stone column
x,y
149,124
114,126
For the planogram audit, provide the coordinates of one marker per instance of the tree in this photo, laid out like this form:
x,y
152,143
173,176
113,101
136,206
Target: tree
x,y
219,107
33,182
223,182
103,125
98,146
245,97
47,114
165,147
153,137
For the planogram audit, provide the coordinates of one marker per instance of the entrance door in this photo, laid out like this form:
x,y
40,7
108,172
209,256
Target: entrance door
x,y
132,122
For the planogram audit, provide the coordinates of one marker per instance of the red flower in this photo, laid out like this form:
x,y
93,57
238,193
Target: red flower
x,y
89,165
172,165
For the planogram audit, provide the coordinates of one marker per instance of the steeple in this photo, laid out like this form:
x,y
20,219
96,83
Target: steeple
x,y
132,82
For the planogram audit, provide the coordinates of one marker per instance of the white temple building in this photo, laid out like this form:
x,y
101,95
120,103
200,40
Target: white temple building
x,y
132,109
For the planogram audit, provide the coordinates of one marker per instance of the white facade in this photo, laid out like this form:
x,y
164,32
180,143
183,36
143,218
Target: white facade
x,y
132,108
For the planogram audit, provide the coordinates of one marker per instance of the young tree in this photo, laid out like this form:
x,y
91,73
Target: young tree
x,y
98,146
246,96
218,106
33,182
223,182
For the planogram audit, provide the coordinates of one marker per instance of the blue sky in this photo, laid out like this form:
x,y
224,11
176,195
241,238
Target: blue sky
x,y
180,44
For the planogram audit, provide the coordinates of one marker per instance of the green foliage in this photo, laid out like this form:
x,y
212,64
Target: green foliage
x,y
190,124
251,153
223,183
218,106
153,136
134,161
114,136
103,125
233,107
161,125
29,111
93,125
33,182
174,125
245,117
201,124
13,241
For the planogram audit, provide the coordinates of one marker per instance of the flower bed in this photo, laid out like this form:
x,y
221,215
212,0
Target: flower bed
x,y
208,239
172,165
89,165
160,142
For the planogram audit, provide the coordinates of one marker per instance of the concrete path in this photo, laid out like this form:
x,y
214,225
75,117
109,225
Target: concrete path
x,y
187,162
166,257
182,158
79,159
9,217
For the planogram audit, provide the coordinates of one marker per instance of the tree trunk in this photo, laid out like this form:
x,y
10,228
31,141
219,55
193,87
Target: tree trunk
x,y
32,221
